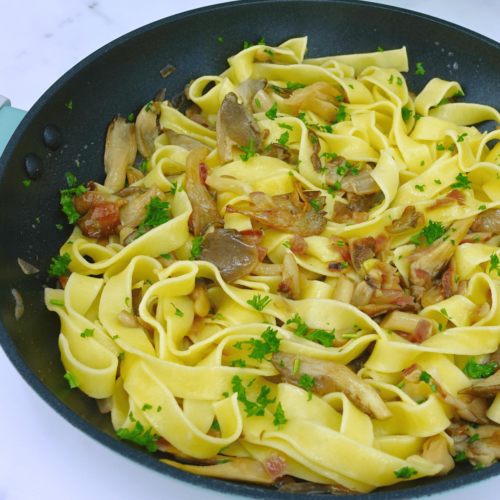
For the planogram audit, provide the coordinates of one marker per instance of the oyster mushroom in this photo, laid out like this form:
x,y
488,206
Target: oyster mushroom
x,y
146,126
235,127
120,152
332,377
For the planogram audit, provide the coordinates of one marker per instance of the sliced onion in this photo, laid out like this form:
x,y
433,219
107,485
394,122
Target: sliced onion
x,y
19,311
167,70
26,267
127,320
105,405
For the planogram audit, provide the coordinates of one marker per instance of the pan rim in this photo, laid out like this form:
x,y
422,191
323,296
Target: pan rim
x,y
233,488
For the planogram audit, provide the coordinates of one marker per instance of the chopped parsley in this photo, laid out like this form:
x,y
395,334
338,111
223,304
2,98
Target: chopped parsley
x,y
284,125
279,417
420,69
478,467
122,356
59,226
306,382
146,407
220,39
437,181
178,312
70,105
405,473
67,204
175,188
391,79
422,163
284,139
159,409
261,348
270,52
417,117
196,247
131,117
482,207
463,182
380,49
246,45
251,408
138,436
126,300
324,338
59,265
26,183
144,166
426,377
296,365
406,113
295,86
87,333
315,204
165,256
215,426
440,147
287,244
399,81
341,114
249,152
461,137
460,456
420,188
257,103
431,233
476,370
57,302
474,438
72,380
157,214
240,363
272,114
494,261
259,303
148,107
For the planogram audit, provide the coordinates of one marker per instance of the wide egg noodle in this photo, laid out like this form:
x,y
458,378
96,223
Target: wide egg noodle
x,y
176,380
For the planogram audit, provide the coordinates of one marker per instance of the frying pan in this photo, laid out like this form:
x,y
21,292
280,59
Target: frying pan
x,y
120,78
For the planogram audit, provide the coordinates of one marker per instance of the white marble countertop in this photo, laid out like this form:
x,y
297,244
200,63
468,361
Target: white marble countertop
x,y
41,455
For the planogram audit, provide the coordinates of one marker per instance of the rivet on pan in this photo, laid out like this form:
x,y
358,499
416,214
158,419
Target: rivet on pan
x,y
33,166
52,137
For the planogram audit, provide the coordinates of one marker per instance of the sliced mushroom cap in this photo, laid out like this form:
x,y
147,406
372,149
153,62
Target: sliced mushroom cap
x,y
85,201
436,451
489,221
230,252
248,89
332,377
487,388
184,141
485,451
362,183
235,126
133,214
146,126
120,152
205,213
409,219
318,97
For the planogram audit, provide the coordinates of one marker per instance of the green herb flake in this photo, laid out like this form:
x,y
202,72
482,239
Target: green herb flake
x,y
70,105
405,473
315,205
461,137
220,39
420,69
341,114
474,438
284,138
482,207
494,261
196,247
148,107
287,244
272,114
257,103
239,363
59,265
144,166
159,409
420,188
87,333
72,380
122,356
67,204
59,226
380,49
463,182
406,113
131,117
146,407
391,79
296,365
26,183
279,417
399,81
259,303
57,302
476,370
157,214
138,436
252,408
306,382
249,152
178,312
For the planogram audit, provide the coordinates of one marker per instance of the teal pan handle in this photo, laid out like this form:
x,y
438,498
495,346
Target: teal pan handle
x,y
9,120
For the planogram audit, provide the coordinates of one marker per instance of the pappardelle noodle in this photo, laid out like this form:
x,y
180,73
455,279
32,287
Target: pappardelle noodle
x,y
296,281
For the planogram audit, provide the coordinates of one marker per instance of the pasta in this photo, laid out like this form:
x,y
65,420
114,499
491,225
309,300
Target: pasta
x,y
300,284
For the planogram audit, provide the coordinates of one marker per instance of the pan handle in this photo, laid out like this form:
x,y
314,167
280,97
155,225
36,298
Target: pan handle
x,y
9,120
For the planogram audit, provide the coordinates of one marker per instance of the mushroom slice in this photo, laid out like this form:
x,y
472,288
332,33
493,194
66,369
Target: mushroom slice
x,y
430,261
290,286
410,218
146,126
487,388
292,212
436,451
85,201
362,183
332,377
485,451
488,221
248,89
120,152
237,469
184,141
235,127
232,254
205,212
133,214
